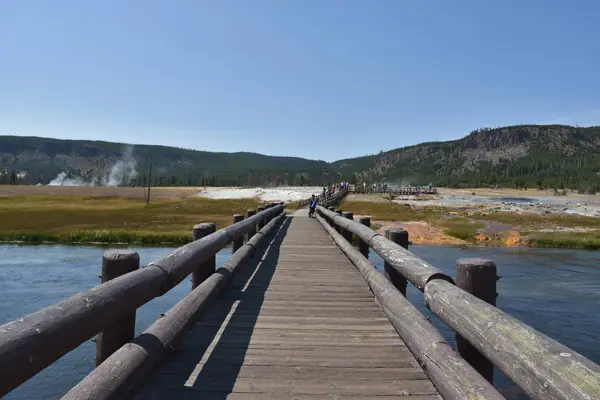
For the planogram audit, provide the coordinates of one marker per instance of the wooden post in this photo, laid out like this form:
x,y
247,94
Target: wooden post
x,y
239,242
363,246
249,214
114,264
398,236
346,233
478,277
261,223
207,268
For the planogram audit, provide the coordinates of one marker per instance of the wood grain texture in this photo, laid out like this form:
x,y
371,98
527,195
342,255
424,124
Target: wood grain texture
x,y
542,367
301,323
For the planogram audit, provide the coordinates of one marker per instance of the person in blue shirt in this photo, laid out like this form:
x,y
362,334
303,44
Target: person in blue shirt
x,y
313,206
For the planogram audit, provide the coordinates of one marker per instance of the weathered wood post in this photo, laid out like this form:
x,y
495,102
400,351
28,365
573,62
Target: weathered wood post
x,y
205,269
252,232
362,245
239,242
345,232
261,222
114,264
478,277
398,236
337,228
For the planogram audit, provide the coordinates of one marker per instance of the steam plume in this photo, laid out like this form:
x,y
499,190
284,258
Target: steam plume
x,y
120,173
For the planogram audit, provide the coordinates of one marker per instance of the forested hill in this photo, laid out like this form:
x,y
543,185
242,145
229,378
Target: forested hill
x,y
525,155
40,160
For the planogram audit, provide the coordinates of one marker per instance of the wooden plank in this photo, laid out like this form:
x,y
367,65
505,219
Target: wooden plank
x,y
302,333
288,295
299,305
302,313
302,350
306,326
295,360
284,319
286,372
272,341
332,302
309,386
308,290
190,394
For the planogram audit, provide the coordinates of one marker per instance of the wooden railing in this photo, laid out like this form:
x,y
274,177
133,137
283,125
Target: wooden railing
x,y
31,343
401,191
542,367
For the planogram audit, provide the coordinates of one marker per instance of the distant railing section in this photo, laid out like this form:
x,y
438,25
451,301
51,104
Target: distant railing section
x,y
327,199
395,191
33,342
542,367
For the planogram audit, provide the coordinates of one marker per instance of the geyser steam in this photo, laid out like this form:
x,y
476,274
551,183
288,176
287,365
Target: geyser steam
x,y
120,173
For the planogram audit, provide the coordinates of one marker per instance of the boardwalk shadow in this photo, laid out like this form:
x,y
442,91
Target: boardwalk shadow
x,y
213,361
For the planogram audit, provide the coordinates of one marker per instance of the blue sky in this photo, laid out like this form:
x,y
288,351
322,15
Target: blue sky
x,y
324,79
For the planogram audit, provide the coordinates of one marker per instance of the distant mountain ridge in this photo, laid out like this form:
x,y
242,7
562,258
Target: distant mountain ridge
x,y
522,155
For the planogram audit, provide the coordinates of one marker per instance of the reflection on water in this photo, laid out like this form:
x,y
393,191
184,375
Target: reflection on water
x,y
555,291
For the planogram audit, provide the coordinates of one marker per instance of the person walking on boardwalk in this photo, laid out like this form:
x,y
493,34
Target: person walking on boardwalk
x,y
313,206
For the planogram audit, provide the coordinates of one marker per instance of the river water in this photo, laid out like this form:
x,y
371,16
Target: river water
x,y
555,291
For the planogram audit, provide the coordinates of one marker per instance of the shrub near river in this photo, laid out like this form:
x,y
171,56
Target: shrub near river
x,y
85,219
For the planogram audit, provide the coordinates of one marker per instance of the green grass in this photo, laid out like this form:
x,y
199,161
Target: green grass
x,y
98,237
460,228
569,240
79,219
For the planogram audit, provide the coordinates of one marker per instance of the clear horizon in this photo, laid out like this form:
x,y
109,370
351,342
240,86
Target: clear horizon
x,y
315,80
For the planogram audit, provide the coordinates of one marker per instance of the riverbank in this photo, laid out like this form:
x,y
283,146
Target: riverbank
x,y
488,217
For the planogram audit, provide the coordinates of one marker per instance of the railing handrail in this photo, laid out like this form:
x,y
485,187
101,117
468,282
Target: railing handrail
x,y
127,368
31,343
454,378
542,367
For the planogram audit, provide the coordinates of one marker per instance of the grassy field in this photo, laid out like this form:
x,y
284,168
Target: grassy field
x,y
568,240
93,218
466,226
31,214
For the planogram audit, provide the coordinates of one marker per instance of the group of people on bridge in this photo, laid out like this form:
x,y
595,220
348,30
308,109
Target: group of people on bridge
x,y
328,192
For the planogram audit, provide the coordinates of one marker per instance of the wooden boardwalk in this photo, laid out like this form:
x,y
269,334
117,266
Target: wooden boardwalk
x,y
298,322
